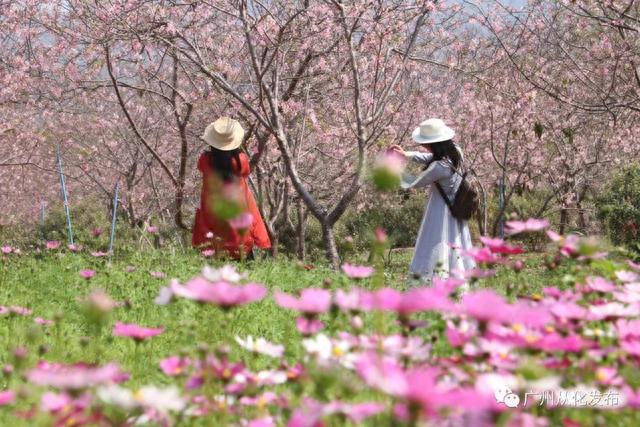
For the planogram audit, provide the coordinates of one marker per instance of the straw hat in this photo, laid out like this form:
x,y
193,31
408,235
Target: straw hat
x,y
224,134
432,131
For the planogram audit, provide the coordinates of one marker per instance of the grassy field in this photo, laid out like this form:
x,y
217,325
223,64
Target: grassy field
x,y
50,285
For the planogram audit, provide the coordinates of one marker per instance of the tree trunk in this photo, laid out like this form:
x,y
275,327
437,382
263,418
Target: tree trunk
x,y
563,220
274,245
301,230
329,242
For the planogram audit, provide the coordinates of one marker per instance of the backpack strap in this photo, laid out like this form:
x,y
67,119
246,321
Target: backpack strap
x,y
444,195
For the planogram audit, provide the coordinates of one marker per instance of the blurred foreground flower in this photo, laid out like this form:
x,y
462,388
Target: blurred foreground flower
x,y
74,377
387,170
357,271
260,346
137,332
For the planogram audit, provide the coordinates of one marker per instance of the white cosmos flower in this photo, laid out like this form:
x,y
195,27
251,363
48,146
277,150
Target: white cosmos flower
x,y
161,399
261,346
166,295
117,396
324,349
226,273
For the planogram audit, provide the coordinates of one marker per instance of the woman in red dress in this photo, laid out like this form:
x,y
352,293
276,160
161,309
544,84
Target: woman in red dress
x,y
228,218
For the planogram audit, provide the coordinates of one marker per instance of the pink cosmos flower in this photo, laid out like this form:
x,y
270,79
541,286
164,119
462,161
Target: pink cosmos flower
x,y
22,311
633,265
6,250
74,377
483,256
485,305
532,224
627,276
357,271
174,365
356,412
87,274
138,333
311,301
555,342
55,402
7,397
219,293
208,253
308,326
381,235
474,273
43,322
608,375
599,284
242,221
499,246
357,299
415,300
632,397
53,244
627,328
382,373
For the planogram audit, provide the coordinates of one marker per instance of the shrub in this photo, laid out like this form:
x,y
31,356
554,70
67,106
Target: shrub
x,y
618,207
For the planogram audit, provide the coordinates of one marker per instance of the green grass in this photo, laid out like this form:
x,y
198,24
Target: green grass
x,y
50,285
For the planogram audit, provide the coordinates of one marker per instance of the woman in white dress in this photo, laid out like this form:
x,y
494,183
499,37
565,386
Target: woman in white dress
x,y
442,239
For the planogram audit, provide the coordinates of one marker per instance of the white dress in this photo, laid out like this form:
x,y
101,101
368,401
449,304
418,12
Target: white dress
x,y
442,238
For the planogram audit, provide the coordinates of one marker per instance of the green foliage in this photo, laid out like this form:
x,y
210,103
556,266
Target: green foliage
x,y
399,218
618,207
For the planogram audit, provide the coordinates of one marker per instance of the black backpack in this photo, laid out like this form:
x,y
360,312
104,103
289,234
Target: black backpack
x,y
466,201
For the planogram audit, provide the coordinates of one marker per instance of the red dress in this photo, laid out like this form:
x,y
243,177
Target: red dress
x,y
225,237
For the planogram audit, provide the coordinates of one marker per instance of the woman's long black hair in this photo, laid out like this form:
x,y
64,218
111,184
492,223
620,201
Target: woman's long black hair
x,y
446,150
222,163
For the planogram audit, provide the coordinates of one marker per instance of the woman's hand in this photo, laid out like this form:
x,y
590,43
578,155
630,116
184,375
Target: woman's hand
x,y
397,149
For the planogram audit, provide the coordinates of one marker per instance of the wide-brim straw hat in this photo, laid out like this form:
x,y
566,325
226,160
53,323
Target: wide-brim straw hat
x,y
224,134
432,131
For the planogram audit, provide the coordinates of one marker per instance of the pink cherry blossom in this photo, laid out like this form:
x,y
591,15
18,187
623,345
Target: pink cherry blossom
x,y
357,271
138,333
219,293
311,301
